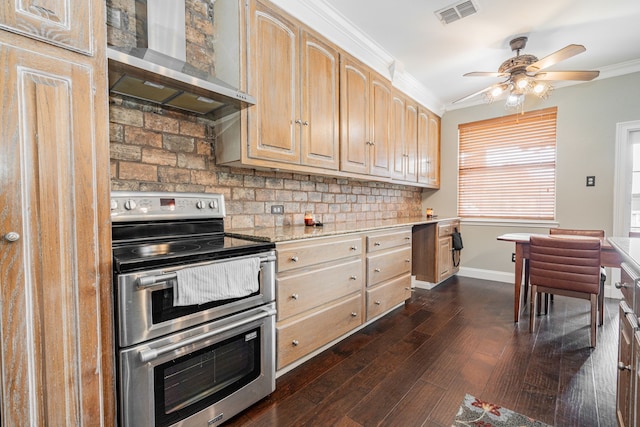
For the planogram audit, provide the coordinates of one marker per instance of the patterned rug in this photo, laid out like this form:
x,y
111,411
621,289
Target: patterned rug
x,y
478,413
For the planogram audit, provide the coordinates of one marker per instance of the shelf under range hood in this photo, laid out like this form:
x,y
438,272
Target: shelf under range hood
x,y
158,78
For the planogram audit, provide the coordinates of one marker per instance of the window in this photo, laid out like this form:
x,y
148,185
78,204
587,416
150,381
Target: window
x,y
507,167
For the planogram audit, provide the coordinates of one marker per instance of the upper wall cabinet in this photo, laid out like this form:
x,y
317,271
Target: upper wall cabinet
x,y
365,115
295,78
65,23
404,134
428,148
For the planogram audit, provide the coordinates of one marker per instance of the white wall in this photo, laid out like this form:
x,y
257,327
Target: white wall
x,y
586,126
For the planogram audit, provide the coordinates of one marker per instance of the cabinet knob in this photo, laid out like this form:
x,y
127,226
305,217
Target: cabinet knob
x,y
407,238
407,260
377,302
294,296
623,367
377,270
354,248
353,277
619,285
295,342
12,236
354,314
298,122
294,258
306,123
377,244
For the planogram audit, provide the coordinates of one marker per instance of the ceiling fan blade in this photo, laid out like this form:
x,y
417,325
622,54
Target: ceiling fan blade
x,y
549,60
567,75
480,92
485,74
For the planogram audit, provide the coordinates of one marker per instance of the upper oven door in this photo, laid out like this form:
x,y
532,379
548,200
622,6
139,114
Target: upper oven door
x,y
145,302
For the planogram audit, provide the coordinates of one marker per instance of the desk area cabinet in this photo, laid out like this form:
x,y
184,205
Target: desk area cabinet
x,y
432,252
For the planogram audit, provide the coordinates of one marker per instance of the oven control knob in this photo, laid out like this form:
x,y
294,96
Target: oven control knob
x,y
213,204
130,205
200,204
114,205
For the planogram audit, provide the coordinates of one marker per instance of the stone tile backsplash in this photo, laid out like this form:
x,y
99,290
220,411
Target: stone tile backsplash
x,y
153,149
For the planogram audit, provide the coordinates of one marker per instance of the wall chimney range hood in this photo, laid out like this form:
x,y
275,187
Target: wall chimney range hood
x,y
155,69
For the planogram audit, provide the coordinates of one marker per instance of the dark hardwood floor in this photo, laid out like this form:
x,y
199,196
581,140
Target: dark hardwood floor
x,y
414,366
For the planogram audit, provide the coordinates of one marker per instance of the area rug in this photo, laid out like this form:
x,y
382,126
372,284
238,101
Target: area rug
x,y
478,413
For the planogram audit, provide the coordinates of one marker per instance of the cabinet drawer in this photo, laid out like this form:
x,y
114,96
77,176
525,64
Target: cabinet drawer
x,y
299,338
387,265
388,239
388,295
296,293
316,251
444,229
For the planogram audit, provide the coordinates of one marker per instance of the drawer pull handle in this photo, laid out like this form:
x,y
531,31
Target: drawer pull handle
x,y
619,285
354,314
353,277
354,248
623,367
377,244
294,296
377,302
295,342
294,258
377,270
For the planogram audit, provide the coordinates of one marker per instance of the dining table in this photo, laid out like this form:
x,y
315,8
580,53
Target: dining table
x,y
609,257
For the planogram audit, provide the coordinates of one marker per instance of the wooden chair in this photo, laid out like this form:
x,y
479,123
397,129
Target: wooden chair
x,y
568,267
603,272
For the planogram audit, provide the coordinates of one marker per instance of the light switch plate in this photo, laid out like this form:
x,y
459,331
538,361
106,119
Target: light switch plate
x,y
591,181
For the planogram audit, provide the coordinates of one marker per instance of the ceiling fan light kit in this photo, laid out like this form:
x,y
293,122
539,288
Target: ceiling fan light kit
x,y
524,76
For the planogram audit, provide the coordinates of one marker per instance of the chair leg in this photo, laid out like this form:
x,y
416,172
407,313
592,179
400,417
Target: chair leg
x,y
594,314
546,303
526,280
601,304
532,308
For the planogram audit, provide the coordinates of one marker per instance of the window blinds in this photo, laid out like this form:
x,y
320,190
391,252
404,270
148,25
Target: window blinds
x,y
507,167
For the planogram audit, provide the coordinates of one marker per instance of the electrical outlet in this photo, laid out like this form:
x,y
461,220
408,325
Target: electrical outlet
x,y
277,209
591,181
513,257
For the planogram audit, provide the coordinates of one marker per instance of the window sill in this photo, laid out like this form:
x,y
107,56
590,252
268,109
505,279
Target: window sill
x,y
497,222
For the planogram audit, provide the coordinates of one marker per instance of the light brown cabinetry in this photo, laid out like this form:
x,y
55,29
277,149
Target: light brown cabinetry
x,y
432,251
319,293
404,134
54,225
627,393
428,148
365,114
295,76
388,270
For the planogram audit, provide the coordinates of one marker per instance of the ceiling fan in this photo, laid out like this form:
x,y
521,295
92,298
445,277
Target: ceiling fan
x,y
525,74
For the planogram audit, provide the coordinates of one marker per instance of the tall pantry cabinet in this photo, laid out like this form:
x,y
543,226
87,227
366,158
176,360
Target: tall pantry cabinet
x,y
55,312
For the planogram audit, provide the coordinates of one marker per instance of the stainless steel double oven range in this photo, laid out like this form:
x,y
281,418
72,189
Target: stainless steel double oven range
x,y
186,365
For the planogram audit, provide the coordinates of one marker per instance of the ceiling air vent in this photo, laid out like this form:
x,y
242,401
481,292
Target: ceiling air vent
x,y
456,11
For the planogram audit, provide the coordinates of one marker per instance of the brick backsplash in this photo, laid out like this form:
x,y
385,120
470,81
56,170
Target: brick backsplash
x,y
155,149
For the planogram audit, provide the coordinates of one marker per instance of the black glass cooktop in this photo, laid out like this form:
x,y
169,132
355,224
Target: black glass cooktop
x,y
133,256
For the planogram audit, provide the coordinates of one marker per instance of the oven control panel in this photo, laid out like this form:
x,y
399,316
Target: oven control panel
x,y
144,206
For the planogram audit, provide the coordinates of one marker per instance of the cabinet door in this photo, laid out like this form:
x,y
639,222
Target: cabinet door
x,y
273,131
380,136
428,148
53,183
354,117
64,23
623,392
320,103
398,137
445,262
411,143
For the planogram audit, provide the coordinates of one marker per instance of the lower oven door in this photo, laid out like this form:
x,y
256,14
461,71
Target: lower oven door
x,y
202,376
145,307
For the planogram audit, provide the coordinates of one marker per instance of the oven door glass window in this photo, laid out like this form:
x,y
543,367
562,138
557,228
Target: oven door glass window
x,y
162,308
186,385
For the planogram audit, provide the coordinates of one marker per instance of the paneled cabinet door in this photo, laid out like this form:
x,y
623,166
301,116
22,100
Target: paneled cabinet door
x,y
49,260
274,76
65,23
445,260
428,148
319,127
405,114
380,104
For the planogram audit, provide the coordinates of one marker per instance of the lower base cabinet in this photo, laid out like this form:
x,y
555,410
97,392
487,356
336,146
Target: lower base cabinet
x,y
433,260
327,287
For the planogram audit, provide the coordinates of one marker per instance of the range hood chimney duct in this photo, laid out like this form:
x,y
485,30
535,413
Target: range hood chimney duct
x,y
156,68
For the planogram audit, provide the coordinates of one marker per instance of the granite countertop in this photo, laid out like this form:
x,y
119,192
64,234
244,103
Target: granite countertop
x,y
297,232
629,249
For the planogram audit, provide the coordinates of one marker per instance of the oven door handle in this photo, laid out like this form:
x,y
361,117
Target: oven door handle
x,y
149,354
150,281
